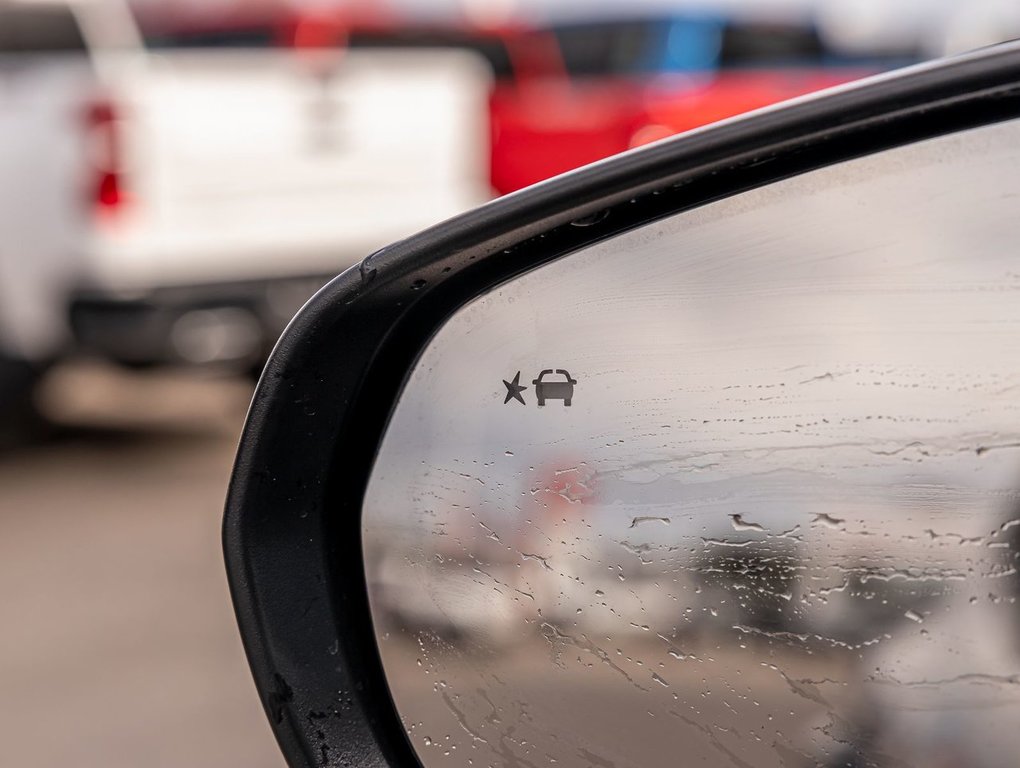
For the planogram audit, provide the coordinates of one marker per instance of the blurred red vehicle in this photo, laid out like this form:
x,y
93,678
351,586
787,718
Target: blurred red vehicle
x,y
591,89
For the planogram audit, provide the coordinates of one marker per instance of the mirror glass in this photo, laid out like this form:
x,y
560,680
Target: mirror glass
x,y
737,488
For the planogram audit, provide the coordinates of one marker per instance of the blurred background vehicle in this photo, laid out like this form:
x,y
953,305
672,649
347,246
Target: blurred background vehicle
x,y
174,199
592,87
178,176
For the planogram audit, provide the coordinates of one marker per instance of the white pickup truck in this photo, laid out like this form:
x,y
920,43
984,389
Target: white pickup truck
x,y
171,205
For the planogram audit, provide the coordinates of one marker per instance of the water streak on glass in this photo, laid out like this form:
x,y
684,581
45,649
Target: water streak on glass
x,y
778,523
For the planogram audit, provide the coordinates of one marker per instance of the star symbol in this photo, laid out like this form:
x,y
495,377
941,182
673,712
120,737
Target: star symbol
x,y
514,389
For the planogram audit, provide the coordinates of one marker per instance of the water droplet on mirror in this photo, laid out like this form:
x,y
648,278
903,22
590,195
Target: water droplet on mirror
x,y
739,524
828,521
644,519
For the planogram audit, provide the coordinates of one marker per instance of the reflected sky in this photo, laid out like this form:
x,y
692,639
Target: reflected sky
x,y
776,525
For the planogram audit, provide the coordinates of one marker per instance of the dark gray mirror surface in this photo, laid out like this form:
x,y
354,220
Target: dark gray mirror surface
x,y
738,488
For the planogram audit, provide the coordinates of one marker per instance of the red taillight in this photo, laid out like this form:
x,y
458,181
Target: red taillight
x,y
108,195
105,185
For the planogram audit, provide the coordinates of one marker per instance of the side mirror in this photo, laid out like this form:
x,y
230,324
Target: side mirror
x,y
707,452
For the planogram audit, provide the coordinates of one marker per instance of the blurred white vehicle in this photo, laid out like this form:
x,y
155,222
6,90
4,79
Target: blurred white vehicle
x,y
175,205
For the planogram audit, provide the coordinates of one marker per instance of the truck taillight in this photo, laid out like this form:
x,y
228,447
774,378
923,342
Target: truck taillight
x,y
105,185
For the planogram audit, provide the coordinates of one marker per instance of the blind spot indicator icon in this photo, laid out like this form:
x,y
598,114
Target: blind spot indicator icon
x,y
556,388
514,389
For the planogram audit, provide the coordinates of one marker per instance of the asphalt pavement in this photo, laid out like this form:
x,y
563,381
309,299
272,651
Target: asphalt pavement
x,y
117,639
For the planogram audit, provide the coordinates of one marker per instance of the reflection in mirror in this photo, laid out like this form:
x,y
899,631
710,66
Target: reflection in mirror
x,y
769,512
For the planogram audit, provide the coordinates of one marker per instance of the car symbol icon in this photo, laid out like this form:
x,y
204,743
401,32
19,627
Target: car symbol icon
x,y
554,390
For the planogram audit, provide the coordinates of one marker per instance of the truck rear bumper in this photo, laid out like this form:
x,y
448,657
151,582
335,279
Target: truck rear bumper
x,y
227,324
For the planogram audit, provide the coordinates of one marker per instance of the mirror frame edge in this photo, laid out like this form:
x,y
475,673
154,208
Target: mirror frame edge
x,y
291,529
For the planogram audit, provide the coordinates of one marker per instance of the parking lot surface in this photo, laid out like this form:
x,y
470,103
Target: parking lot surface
x,y
118,645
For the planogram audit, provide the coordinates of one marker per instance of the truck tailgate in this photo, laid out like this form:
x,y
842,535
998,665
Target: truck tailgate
x,y
253,163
